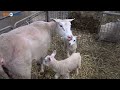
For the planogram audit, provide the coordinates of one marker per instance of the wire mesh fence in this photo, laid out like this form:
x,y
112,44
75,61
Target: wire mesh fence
x,y
110,27
58,14
28,17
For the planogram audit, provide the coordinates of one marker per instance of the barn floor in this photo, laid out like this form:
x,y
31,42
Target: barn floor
x,y
100,60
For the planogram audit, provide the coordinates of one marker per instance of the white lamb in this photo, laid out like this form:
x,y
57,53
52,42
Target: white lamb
x,y
63,67
71,46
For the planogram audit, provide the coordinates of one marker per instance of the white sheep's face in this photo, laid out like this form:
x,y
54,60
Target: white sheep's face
x,y
64,28
49,58
73,41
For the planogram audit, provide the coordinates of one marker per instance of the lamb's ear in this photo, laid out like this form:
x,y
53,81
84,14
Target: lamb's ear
x,y
79,36
54,53
76,36
49,59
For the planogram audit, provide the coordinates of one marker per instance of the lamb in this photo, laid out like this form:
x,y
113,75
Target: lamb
x,y
63,67
71,46
19,47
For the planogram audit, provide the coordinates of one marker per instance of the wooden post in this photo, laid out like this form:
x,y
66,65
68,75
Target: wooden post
x,y
47,16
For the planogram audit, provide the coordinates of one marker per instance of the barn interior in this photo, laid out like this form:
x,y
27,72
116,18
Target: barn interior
x,y
99,49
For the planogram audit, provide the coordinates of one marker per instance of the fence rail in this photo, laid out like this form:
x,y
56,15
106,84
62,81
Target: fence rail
x,y
111,13
28,19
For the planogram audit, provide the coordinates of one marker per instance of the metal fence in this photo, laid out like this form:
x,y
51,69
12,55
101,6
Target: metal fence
x,y
58,14
109,29
35,16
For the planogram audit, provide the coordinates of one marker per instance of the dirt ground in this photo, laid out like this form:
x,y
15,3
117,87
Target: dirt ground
x,y
100,60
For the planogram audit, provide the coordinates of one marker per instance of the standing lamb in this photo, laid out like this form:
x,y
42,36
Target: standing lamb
x,y
71,46
63,67
19,47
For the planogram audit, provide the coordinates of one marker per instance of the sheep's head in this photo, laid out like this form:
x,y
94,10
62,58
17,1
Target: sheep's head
x,y
64,28
49,58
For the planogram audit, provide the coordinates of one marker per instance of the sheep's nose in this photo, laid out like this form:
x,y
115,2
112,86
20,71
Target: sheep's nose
x,y
69,38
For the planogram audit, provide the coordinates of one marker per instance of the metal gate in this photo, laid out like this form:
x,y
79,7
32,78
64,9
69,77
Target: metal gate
x,y
57,14
39,15
109,29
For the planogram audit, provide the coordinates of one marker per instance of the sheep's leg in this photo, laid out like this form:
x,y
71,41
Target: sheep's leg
x,y
3,74
67,76
20,70
20,67
57,75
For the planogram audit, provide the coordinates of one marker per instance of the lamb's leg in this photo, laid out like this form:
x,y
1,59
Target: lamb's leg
x,y
57,75
42,66
68,53
77,71
78,68
67,76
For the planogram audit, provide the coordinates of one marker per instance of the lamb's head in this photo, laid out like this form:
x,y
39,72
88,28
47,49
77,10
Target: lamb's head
x,y
64,28
73,41
49,58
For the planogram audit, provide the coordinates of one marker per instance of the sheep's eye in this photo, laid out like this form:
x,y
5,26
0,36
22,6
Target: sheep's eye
x,y
60,25
74,40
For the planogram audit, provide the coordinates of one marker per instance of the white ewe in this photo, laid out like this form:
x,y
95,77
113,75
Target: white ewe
x,y
19,47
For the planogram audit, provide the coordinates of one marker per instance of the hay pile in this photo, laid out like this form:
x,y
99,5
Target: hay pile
x,y
84,23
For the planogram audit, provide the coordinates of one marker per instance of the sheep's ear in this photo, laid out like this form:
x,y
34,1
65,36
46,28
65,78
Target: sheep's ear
x,y
54,53
70,20
56,20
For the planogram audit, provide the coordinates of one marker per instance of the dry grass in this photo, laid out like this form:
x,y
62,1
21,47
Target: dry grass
x,y
100,60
